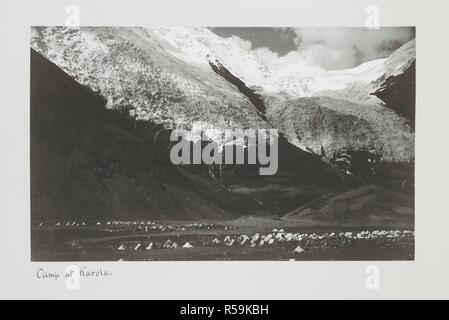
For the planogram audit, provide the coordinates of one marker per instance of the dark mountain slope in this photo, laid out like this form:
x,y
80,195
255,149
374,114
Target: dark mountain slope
x,y
255,98
90,162
307,166
398,93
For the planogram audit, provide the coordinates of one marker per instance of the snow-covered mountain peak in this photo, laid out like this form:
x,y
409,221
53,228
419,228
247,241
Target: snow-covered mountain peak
x,y
180,76
292,74
198,45
401,59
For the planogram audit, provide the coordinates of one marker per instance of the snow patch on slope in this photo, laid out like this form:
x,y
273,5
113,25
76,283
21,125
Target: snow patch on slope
x,y
133,69
290,75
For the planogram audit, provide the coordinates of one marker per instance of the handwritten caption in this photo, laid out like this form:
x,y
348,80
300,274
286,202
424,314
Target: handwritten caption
x,y
72,275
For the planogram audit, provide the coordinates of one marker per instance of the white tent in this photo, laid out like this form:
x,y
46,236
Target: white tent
x,y
150,246
167,244
243,238
174,245
216,241
137,247
298,249
227,239
271,241
275,230
98,223
58,224
187,245
279,235
121,248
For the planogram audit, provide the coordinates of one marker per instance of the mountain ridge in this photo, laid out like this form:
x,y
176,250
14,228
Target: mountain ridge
x,y
165,75
151,86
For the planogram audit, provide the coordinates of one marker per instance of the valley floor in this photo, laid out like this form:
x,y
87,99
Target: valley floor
x,y
243,239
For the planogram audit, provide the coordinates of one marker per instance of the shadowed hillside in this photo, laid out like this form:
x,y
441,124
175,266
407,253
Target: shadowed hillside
x,y
88,161
368,204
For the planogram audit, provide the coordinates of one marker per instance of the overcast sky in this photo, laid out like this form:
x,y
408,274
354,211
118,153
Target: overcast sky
x,y
331,48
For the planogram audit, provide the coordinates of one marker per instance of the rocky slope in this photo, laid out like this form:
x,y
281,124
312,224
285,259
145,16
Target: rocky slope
x,y
90,162
133,70
166,75
395,92
103,102
326,125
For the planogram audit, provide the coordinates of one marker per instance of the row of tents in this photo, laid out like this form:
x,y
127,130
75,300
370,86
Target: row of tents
x,y
173,245
167,245
140,225
276,236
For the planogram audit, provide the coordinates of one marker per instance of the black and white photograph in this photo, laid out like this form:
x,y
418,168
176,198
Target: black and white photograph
x,y
224,158
146,143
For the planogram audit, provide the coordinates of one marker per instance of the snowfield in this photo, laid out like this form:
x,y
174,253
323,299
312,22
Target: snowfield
x,y
165,75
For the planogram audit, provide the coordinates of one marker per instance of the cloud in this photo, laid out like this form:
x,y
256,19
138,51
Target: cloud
x,y
266,55
241,43
331,48
339,48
